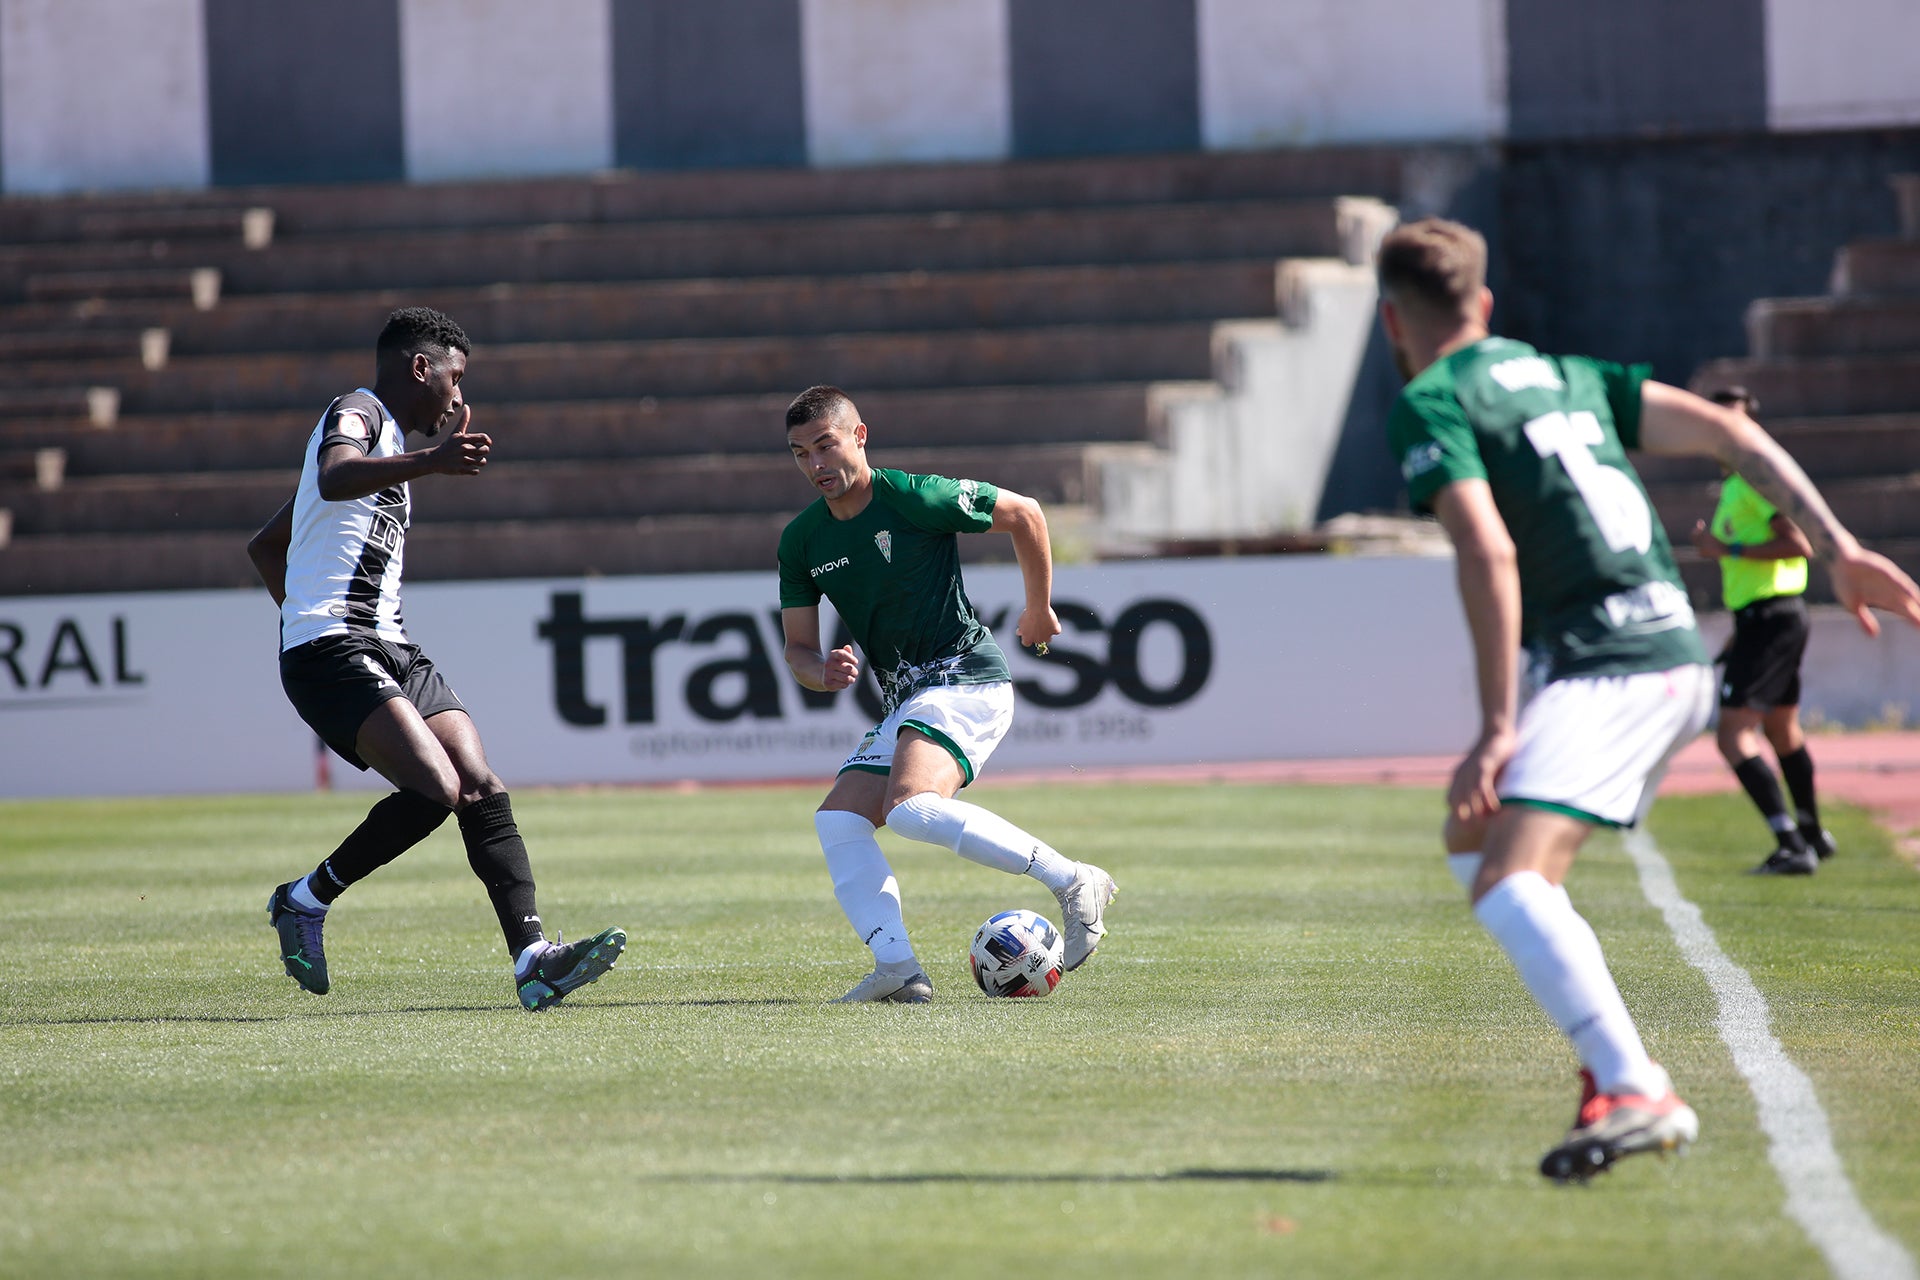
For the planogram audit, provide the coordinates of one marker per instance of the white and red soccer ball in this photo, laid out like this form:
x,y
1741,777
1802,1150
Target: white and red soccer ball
x,y
1017,953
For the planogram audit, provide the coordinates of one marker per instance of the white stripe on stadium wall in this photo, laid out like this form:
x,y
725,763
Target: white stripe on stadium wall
x,y
1319,71
1820,1197
498,88
885,81
103,94
1842,66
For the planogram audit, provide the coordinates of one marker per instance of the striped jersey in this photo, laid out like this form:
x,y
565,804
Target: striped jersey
x,y
343,567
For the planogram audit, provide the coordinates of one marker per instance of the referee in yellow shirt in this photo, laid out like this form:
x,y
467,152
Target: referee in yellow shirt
x,y
1763,578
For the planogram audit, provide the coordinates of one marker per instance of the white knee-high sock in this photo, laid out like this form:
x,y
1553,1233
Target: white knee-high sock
x,y
864,884
981,836
1465,868
1559,959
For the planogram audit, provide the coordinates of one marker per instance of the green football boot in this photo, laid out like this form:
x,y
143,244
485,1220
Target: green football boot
x,y
565,967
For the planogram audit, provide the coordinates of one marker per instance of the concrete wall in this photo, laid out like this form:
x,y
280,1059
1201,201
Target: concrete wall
x,y
454,56
102,94
135,93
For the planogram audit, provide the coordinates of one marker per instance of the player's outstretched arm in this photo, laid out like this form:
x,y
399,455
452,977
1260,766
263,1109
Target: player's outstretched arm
x,y
1020,516
268,551
346,473
1673,421
817,670
1489,574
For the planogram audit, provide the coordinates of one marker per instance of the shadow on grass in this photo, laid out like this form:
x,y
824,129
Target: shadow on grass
x,y
998,1176
215,1019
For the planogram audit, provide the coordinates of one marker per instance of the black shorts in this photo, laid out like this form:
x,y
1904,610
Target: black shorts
x,y
336,682
1763,658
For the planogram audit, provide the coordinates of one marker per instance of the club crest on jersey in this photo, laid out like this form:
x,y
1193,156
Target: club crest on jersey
x,y
884,541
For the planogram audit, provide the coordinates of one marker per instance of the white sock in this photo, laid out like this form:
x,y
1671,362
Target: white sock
x,y
1559,959
982,836
864,885
1465,868
523,963
302,895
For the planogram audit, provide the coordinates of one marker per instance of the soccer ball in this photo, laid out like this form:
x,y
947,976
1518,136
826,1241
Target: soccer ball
x,y
1017,953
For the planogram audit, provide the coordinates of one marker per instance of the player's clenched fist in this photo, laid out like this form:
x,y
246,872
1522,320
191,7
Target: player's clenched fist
x,y
839,669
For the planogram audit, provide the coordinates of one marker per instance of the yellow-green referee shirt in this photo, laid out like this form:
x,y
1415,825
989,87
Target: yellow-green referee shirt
x,y
1745,517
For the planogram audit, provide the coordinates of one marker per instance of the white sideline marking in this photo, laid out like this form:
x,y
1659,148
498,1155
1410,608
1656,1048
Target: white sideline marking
x,y
1800,1143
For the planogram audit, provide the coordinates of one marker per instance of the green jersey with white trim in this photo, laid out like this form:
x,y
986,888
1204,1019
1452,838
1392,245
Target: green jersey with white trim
x,y
893,575
1599,591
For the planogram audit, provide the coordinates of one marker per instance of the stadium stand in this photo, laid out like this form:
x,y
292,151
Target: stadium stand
x,y
163,357
1838,379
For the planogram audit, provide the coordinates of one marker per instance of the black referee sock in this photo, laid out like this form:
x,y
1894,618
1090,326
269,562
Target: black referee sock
x,y
1797,768
392,827
1764,789
498,856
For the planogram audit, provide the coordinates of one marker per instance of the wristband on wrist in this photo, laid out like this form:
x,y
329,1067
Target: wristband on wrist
x,y
1736,549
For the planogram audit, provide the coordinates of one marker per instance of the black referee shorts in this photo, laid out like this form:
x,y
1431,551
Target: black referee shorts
x,y
1763,659
336,682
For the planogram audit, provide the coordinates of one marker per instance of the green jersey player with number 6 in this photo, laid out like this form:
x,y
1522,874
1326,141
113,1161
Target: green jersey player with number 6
x,y
1521,456
882,546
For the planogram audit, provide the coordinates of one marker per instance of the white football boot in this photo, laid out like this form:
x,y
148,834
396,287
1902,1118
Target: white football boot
x,y
1083,908
898,984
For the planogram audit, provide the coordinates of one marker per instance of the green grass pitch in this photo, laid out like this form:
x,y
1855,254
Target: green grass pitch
x,y
1297,1054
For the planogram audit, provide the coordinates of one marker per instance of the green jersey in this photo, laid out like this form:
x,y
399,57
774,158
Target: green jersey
x,y
893,575
1598,588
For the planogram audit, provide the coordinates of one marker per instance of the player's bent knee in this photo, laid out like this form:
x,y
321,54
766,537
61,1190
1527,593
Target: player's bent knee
x,y
1463,835
925,817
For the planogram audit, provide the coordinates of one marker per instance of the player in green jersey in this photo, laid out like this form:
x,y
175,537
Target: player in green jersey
x,y
1520,455
1763,580
882,546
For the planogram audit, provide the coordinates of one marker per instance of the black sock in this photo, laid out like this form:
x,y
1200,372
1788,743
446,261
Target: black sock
x,y
498,856
1797,768
392,827
1764,789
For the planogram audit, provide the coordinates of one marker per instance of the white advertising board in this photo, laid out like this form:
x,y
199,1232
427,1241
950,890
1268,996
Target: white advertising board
x,y
623,680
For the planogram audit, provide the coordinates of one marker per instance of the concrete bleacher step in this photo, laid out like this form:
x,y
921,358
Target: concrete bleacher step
x,y
753,193
196,286
93,315
697,485
704,366
149,346
550,431
57,221
1870,268
1824,385
510,313
1790,328
790,246
96,406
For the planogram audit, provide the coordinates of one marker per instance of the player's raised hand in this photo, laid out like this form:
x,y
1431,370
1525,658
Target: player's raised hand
x,y
1866,580
839,669
464,452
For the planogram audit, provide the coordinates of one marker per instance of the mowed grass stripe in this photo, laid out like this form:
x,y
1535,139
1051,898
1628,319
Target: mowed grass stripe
x,y
1296,1051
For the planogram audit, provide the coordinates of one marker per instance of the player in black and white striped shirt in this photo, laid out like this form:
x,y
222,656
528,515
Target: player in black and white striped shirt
x,y
331,557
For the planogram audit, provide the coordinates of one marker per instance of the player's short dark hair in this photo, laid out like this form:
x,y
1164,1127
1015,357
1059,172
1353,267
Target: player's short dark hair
x,y
1434,264
818,404
412,329
1736,394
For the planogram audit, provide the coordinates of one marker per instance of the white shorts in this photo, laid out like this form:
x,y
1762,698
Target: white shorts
x,y
969,720
1596,747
